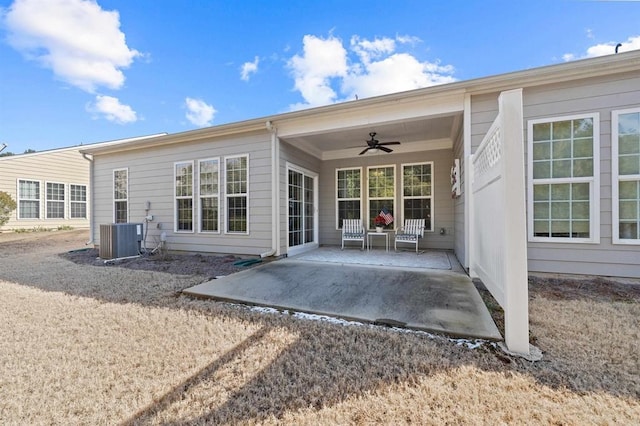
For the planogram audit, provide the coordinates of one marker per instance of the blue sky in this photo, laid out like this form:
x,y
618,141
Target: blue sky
x,y
79,71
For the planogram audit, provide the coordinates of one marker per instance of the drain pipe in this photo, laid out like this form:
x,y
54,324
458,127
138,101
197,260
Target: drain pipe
x,y
91,224
275,186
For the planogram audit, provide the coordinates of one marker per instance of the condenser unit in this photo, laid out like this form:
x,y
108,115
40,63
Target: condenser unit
x,y
120,240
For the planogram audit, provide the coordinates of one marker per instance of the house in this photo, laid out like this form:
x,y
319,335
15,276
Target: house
x,y
282,184
51,188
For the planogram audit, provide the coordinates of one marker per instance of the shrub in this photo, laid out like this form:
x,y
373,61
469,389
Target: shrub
x,y
7,205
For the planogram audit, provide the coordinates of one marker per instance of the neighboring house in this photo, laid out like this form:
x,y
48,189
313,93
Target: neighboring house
x,y
51,188
282,184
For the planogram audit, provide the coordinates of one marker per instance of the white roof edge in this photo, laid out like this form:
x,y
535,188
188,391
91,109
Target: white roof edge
x,y
548,74
81,147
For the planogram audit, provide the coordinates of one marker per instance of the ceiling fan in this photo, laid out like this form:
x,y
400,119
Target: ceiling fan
x,y
373,143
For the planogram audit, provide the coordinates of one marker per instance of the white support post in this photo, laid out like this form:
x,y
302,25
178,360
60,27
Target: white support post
x,y
515,226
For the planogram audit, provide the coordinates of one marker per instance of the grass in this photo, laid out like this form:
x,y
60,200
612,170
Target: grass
x,y
89,345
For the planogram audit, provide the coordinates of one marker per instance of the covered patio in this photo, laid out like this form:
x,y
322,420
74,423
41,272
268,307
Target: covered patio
x,y
428,292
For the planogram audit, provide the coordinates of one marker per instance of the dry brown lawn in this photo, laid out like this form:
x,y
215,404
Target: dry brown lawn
x,y
83,344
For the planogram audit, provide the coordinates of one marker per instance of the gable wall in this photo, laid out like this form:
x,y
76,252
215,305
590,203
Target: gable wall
x,y
601,95
61,166
151,178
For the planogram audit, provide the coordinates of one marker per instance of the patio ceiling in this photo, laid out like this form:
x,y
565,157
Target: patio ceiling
x,y
421,134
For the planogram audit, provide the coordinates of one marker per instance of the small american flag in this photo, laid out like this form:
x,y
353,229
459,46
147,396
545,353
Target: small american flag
x,y
386,215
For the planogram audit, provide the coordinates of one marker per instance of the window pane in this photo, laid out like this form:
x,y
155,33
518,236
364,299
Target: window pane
x,y
120,212
629,123
580,191
418,209
542,151
628,210
583,128
561,169
78,210
580,210
582,168
381,182
583,148
629,165
560,210
628,144
237,214
29,209
629,230
561,191
541,169
209,177
562,149
184,210
348,210
541,228
541,210
209,214
417,180
120,185
541,192
184,180
542,132
77,192
628,190
236,175
561,130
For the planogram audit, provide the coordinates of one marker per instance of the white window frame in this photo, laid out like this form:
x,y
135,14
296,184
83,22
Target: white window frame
x,y
113,193
430,197
616,178
593,181
361,199
176,197
85,202
369,198
48,201
39,200
216,195
236,195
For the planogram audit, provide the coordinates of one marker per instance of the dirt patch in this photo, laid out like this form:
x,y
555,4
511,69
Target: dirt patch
x,y
587,288
208,266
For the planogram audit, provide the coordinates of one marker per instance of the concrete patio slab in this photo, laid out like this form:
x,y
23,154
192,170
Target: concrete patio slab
x,y
430,300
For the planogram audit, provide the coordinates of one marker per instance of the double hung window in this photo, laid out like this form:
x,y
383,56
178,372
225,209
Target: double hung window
x,y
564,179
417,192
28,199
77,201
348,194
121,196
382,183
237,183
55,200
184,196
209,187
625,185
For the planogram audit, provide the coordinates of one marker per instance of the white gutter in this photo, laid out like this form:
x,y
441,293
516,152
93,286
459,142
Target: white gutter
x,y
91,196
275,191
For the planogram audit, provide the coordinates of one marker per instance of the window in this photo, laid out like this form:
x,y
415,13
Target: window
x,y
417,199
237,184
28,199
120,196
382,183
348,195
77,201
564,179
625,165
184,196
55,200
208,186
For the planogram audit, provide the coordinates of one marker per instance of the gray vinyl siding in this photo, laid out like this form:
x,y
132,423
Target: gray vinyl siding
x,y
66,166
151,178
599,95
458,203
297,157
443,204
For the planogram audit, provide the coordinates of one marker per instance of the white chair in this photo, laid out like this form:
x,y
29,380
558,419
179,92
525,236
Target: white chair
x,y
411,232
352,230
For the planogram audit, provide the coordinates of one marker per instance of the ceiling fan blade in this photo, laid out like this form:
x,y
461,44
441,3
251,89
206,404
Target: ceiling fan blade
x,y
390,143
385,149
365,150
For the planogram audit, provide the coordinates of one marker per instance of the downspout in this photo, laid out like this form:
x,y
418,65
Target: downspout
x,y
275,192
91,224
468,196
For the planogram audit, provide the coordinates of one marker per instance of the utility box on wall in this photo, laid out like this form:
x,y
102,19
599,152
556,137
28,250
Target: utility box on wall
x,y
120,240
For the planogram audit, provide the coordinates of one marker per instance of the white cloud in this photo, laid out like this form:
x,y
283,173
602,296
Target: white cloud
x,y
632,43
111,109
199,113
249,68
322,60
79,41
324,73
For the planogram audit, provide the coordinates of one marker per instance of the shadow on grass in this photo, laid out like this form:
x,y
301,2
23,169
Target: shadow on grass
x,y
325,365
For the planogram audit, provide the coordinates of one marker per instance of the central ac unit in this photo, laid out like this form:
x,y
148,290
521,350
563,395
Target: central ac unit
x,y
120,240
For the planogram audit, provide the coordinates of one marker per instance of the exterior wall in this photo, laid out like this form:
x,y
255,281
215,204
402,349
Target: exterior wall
x,y
458,204
66,166
297,157
443,214
151,178
599,95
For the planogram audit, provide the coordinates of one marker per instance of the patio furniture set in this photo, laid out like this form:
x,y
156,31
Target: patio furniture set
x,y
410,233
